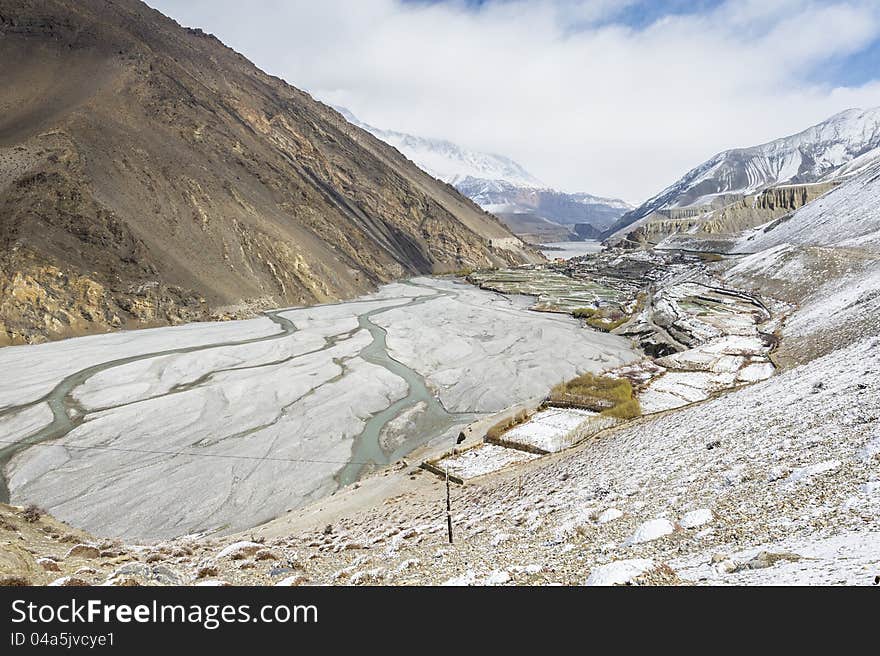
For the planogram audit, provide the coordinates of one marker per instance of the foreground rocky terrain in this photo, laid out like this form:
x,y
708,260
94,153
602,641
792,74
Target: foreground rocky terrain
x,y
151,175
777,483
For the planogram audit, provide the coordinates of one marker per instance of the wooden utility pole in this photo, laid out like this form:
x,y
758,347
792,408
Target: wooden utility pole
x,y
448,507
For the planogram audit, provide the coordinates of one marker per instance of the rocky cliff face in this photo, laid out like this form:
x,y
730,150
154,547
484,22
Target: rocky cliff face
x,y
149,175
714,229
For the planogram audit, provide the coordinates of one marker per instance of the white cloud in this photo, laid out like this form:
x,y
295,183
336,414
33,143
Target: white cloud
x,y
583,103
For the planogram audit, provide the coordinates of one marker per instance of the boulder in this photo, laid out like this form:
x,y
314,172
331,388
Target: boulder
x,y
69,581
608,515
696,518
48,564
293,581
83,551
651,530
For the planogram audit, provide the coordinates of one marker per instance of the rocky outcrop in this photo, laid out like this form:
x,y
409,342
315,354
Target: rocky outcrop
x,y
708,223
832,150
768,205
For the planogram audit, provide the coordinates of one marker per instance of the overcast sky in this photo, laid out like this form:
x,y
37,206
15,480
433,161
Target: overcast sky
x,y
613,97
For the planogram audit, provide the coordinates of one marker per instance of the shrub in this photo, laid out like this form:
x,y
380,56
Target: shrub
x,y
32,513
604,319
496,431
584,312
611,396
605,325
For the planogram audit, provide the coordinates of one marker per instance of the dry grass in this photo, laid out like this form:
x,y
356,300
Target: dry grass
x,y
613,397
584,313
606,325
501,427
625,410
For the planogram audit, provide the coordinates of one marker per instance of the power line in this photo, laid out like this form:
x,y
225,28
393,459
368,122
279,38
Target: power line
x,y
192,455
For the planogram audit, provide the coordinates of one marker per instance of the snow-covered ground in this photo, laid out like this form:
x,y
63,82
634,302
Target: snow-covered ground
x,y
845,217
549,429
780,467
482,460
848,559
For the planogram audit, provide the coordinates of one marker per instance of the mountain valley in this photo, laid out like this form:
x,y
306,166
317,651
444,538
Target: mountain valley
x,y
249,339
529,208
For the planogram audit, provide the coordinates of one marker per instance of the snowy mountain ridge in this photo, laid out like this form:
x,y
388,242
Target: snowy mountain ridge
x,y
845,217
485,192
447,161
842,145
502,186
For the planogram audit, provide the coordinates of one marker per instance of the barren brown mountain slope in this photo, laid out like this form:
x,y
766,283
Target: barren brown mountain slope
x,y
149,175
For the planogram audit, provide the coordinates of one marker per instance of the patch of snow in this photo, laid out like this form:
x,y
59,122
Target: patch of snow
x,y
468,578
484,459
497,577
651,530
620,572
608,515
696,518
549,429
756,371
241,549
805,474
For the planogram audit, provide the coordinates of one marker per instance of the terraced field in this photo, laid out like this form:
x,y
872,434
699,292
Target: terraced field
x,y
554,291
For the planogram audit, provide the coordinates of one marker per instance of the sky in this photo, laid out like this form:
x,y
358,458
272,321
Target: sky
x,y
613,97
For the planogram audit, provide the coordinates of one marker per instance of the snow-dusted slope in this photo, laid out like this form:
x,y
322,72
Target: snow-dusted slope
x,y
497,183
448,161
843,145
846,216
502,197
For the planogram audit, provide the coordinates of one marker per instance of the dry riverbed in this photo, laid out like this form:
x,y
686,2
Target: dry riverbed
x,y
160,433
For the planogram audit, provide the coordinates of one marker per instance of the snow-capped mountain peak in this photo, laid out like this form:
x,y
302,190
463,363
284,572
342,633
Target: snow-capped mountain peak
x,y
500,185
448,161
840,145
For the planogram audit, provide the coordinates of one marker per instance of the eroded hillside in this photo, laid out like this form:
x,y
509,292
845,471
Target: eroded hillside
x,y
150,175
